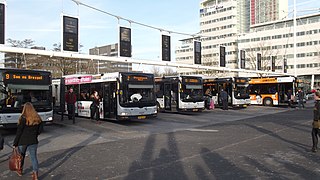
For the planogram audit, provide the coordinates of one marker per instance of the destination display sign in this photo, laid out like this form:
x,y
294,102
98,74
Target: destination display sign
x,y
191,80
25,78
138,78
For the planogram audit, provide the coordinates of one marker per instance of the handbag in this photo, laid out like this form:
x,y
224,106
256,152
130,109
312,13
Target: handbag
x,y
15,160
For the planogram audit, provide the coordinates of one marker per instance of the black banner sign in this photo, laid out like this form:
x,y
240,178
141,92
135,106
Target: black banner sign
x,y
273,63
166,48
2,23
197,52
70,34
258,61
222,56
242,59
125,42
285,67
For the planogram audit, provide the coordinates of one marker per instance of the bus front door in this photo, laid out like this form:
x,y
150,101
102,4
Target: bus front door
x,y
108,101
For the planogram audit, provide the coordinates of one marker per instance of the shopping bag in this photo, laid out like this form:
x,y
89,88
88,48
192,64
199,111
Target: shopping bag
x,y
15,160
211,105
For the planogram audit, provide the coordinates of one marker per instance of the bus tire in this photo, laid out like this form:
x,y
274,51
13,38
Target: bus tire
x,y
267,102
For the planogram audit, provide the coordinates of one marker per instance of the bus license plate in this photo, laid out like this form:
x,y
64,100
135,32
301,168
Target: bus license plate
x,y
195,110
141,117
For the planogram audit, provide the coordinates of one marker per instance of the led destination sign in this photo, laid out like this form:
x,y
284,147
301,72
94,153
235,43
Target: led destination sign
x,y
21,78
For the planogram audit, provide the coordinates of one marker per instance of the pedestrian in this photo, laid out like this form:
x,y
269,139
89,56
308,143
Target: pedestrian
x,y
289,97
224,99
94,107
1,142
300,95
71,99
316,122
29,127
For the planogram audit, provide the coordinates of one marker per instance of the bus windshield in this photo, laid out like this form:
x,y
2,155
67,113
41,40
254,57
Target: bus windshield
x,y
13,96
137,94
191,93
241,91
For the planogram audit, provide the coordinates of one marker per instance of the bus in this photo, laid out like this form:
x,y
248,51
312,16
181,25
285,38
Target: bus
x,y
124,95
179,94
236,87
271,91
18,86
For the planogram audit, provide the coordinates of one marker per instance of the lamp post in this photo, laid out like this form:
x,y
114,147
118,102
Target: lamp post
x,y
295,37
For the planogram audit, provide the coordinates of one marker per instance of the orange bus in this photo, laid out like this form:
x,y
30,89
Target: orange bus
x,y
271,91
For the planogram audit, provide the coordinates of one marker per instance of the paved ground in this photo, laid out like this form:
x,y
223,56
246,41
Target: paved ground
x,y
255,143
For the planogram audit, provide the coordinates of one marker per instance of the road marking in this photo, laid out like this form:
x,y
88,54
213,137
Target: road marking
x,y
203,130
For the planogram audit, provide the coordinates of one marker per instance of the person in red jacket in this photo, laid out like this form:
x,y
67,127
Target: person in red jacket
x,y
29,127
71,100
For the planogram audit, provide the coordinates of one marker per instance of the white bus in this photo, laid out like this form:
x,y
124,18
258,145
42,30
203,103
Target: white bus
x,y
179,94
115,91
18,86
236,87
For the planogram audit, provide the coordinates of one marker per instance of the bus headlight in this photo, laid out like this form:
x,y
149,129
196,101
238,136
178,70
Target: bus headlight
x,y
124,114
49,119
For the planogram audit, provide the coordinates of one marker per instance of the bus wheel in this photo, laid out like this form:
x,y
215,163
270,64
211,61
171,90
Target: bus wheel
x,y
267,102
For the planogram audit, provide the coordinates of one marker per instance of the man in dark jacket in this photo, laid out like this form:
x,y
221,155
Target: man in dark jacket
x,y
71,100
224,99
316,122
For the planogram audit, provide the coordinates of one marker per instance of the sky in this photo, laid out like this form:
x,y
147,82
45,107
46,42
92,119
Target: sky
x,y
40,21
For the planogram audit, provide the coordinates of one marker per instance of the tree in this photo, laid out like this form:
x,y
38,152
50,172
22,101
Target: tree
x,y
156,71
27,43
17,60
169,72
266,53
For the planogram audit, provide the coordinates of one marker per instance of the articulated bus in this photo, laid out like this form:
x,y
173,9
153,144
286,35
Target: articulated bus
x,y
236,87
179,94
116,91
19,86
272,91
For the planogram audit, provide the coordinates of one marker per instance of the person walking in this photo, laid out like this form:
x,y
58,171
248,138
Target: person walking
x,y
316,122
29,127
224,99
300,95
71,99
94,107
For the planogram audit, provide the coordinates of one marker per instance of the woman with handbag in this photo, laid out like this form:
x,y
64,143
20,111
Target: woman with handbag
x,y
94,107
29,127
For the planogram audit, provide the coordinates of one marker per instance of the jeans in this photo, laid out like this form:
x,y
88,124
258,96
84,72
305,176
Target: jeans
x,y
314,134
32,149
71,111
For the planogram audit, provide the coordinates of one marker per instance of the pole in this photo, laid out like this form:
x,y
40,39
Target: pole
x,y
295,37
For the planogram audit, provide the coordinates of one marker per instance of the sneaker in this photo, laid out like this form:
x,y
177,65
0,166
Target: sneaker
x,y
314,149
19,172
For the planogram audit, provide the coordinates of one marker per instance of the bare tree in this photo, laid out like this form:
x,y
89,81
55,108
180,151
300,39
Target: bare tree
x,y
266,53
169,72
156,71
